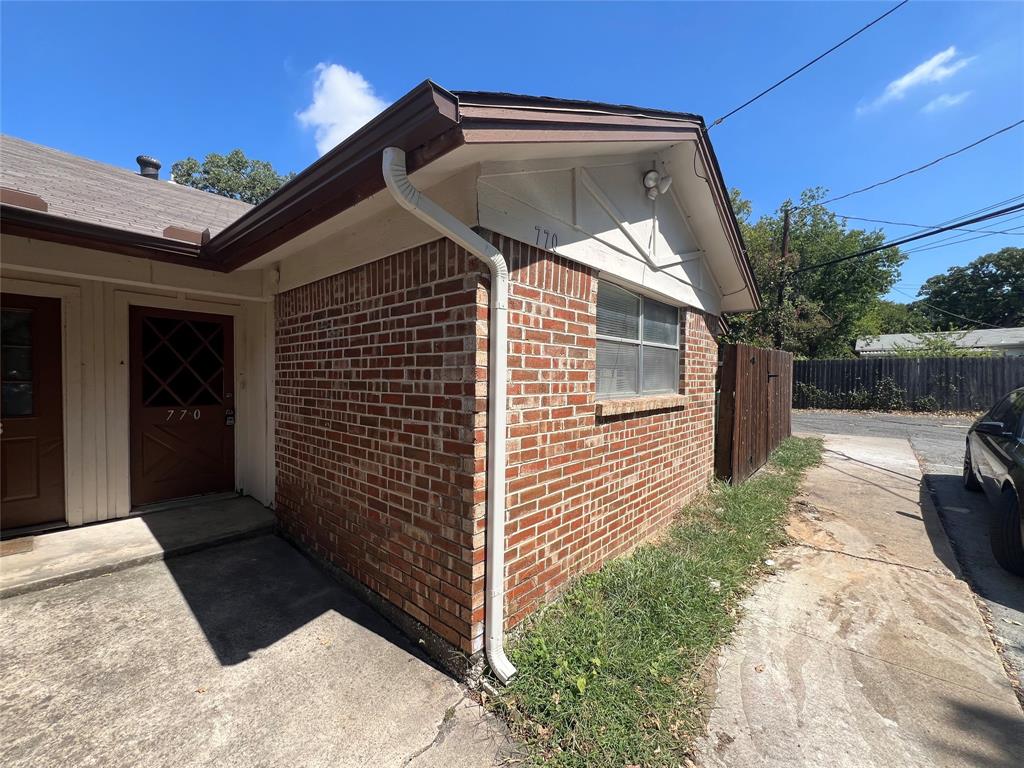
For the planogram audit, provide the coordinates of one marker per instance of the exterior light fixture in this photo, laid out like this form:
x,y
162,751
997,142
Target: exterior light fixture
x,y
656,184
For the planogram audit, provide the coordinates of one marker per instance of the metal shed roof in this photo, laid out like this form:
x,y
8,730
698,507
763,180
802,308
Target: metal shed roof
x,y
994,338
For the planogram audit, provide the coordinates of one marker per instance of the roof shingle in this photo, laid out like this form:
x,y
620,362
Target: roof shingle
x,y
93,192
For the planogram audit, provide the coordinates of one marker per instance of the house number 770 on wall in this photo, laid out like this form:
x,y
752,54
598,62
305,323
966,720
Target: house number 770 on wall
x,y
550,238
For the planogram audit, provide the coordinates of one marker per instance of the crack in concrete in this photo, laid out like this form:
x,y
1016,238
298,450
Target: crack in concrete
x,y
875,560
443,729
815,508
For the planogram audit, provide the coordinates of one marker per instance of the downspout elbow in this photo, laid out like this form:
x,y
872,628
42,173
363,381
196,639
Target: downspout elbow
x,y
413,200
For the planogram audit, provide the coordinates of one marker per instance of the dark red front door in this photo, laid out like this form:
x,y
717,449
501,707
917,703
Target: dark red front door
x,y
182,404
32,442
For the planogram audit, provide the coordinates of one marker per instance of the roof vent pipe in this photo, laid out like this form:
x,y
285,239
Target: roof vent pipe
x,y
148,166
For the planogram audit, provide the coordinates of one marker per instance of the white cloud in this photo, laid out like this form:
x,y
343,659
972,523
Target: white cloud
x,y
939,67
945,101
343,101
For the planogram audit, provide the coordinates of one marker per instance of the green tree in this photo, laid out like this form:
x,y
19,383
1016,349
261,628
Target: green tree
x,y
990,290
892,317
232,175
823,308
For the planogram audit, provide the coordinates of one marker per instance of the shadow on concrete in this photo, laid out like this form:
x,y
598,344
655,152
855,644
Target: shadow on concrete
x,y
938,537
861,479
248,594
964,515
880,468
976,726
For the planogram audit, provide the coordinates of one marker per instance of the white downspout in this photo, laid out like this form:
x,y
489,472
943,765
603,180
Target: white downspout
x,y
421,206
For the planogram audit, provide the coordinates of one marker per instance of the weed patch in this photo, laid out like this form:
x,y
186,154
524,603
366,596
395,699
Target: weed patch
x,y
611,674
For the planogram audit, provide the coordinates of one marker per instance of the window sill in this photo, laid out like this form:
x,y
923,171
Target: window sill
x,y
639,404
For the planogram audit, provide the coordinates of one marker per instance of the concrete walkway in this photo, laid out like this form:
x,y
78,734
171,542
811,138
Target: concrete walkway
x,y
237,656
938,442
864,649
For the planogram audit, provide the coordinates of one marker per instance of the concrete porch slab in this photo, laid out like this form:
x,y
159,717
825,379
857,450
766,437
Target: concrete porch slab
x,y
62,557
243,656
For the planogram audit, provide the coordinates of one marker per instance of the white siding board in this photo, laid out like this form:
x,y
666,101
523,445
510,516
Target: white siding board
x,y
95,378
71,319
601,217
506,215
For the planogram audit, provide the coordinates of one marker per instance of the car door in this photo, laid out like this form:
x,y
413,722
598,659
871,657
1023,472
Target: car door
x,y
997,452
1014,447
981,454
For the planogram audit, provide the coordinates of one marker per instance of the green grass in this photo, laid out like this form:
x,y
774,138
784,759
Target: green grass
x,y
612,674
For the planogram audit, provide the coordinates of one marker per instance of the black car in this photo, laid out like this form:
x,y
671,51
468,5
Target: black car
x,y
994,462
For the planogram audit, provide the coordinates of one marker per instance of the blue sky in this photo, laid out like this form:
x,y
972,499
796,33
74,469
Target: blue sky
x,y
110,81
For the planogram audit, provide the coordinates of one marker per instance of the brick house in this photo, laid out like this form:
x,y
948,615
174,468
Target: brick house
x,y
466,355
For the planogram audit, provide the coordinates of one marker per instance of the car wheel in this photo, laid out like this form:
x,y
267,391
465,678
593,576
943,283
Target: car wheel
x,y
1005,533
970,479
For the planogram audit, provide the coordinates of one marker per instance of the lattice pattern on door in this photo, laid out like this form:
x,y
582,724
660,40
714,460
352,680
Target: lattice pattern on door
x,y
183,362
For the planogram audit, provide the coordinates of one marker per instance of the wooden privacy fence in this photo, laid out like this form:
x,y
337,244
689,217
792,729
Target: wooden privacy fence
x,y
921,383
754,407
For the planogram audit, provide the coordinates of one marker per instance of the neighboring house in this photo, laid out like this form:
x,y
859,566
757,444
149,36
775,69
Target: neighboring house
x,y
1000,341
327,351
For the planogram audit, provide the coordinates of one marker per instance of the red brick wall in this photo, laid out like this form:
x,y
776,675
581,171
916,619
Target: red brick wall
x,y
381,432
377,401
581,488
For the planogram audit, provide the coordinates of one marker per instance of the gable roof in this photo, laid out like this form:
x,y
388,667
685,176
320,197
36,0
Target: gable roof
x,y
96,193
428,123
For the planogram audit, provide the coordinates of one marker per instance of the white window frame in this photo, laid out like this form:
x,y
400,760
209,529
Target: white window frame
x,y
640,343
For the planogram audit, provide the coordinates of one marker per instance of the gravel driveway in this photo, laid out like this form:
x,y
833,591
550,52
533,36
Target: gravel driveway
x,y
939,444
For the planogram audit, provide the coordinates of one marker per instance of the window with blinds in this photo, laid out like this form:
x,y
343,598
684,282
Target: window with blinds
x,y
637,344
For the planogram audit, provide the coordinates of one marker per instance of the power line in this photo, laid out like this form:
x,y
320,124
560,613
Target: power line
x,y
961,237
912,238
921,167
983,209
920,226
956,242
947,312
1007,201
790,76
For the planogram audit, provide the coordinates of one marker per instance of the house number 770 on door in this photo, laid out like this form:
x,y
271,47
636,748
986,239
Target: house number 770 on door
x,y
182,413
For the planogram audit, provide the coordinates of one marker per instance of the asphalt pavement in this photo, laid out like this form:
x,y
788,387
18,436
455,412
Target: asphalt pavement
x,y
939,443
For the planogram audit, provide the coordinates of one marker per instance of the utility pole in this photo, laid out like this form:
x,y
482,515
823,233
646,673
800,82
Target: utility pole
x,y
782,278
